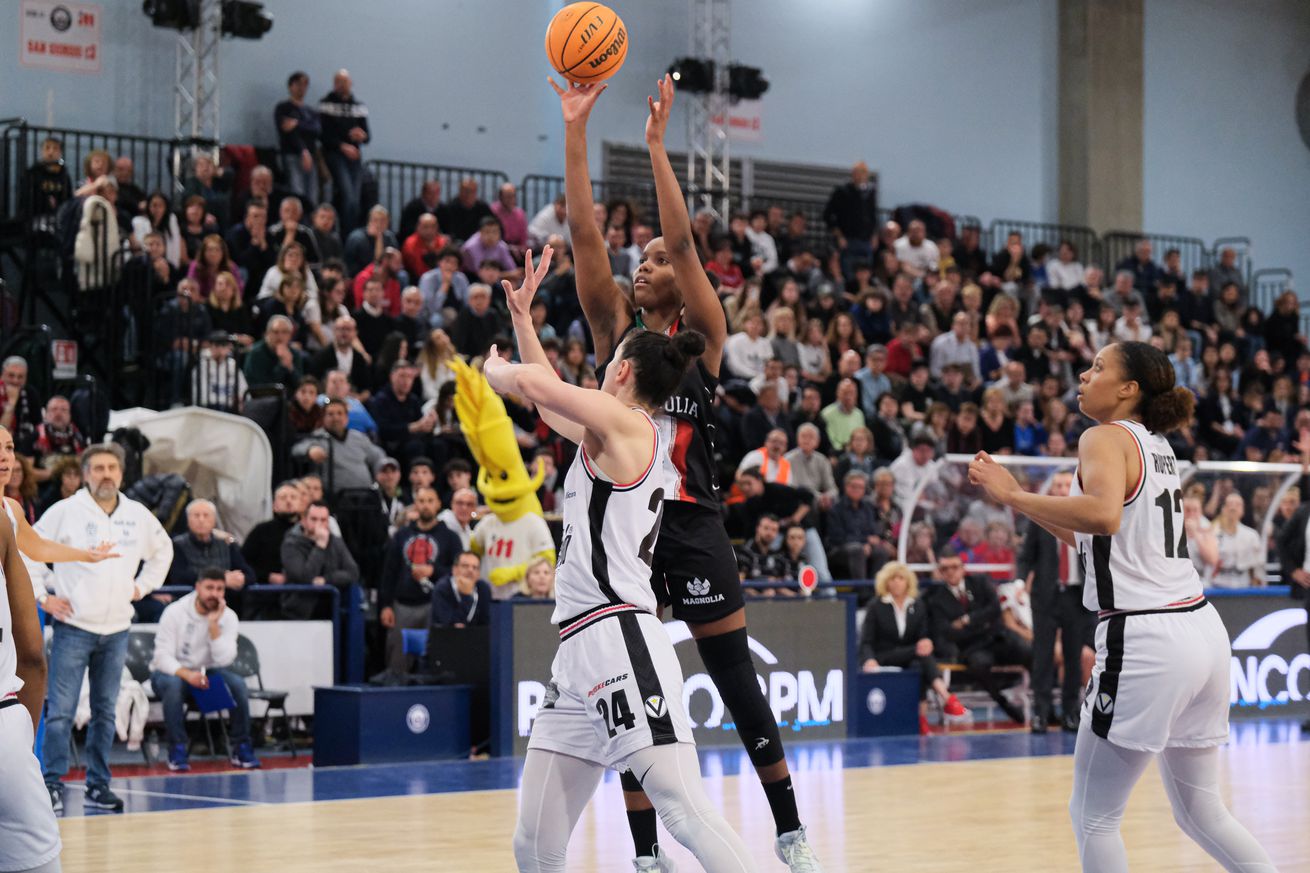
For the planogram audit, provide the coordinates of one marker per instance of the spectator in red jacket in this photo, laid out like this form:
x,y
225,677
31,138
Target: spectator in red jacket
x,y
390,270
422,247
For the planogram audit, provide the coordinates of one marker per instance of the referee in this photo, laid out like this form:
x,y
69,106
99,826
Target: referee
x,y
1055,588
92,607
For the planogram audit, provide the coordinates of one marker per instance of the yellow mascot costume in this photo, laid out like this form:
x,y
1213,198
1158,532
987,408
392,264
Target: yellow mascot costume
x,y
515,534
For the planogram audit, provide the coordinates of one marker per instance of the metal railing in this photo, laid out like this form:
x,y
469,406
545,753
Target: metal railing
x,y
1084,239
400,182
158,162
1118,245
1266,285
537,191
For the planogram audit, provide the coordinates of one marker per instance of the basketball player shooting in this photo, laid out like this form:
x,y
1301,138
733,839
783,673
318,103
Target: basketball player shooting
x,y
615,694
671,292
1160,686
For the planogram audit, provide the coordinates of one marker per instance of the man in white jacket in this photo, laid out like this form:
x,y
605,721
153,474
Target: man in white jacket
x,y
197,640
92,607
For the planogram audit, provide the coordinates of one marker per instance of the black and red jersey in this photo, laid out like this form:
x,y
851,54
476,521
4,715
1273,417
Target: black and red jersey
x,y
691,432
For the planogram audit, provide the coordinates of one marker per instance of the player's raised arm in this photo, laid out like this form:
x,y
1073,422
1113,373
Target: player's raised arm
x,y
1098,510
530,350
703,310
603,304
569,410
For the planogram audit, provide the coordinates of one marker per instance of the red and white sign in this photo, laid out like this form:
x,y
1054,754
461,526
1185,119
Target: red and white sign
x,y
60,36
64,355
744,121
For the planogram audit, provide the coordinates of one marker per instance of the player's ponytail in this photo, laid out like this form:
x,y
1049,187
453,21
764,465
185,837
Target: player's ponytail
x,y
659,361
1164,405
684,347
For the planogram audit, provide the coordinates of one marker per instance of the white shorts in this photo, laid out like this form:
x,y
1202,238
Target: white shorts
x,y
29,833
615,688
1161,680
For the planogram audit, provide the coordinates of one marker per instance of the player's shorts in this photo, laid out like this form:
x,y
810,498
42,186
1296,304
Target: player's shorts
x,y
29,833
695,567
615,688
1161,680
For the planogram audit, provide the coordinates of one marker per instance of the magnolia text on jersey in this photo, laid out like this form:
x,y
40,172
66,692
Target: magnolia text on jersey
x,y
679,405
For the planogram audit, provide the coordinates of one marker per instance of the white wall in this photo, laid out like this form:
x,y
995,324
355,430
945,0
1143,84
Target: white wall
x,y
951,102
1222,152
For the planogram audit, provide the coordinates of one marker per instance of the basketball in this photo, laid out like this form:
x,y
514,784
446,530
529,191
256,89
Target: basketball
x,y
586,42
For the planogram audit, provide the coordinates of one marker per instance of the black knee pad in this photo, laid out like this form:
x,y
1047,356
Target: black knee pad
x,y
728,662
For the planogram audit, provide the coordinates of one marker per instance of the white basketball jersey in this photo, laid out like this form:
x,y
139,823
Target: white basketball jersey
x,y
609,535
9,681
1146,564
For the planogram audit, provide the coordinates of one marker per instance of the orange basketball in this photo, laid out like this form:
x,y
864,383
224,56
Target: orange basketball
x,y
586,42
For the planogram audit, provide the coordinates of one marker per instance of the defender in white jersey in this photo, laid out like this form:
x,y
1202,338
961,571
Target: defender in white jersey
x,y
1160,686
615,695
29,833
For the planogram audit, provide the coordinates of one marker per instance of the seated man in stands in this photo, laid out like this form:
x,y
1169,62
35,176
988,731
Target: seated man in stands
x,y
196,641
274,360
422,247
477,325
56,435
965,615
203,547
758,558
783,501
459,516
418,556
769,458
404,430
853,530
810,468
339,387
342,355
462,599
352,460
366,244
289,230
313,555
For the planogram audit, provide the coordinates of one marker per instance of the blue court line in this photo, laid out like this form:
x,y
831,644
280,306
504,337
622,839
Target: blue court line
x,y
304,785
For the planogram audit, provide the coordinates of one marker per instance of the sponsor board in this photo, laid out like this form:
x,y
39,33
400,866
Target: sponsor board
x,y
800,651
1270,667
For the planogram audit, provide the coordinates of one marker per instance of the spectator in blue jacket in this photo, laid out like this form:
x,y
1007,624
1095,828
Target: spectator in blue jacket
x,y
404,430
852,526
419,555
462,599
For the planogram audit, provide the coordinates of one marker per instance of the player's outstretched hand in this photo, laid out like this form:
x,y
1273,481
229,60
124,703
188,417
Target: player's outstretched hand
x,y
102,552
496,370
520,299
575,100
993,478
658,121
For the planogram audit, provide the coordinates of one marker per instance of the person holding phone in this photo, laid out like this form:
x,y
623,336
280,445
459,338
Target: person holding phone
x,y
197,640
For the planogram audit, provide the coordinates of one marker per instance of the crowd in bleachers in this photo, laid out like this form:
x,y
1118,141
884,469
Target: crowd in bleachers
x,y
851,367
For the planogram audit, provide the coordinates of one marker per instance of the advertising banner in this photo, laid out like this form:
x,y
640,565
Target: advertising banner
x,y
1271,668
801,649
60,36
